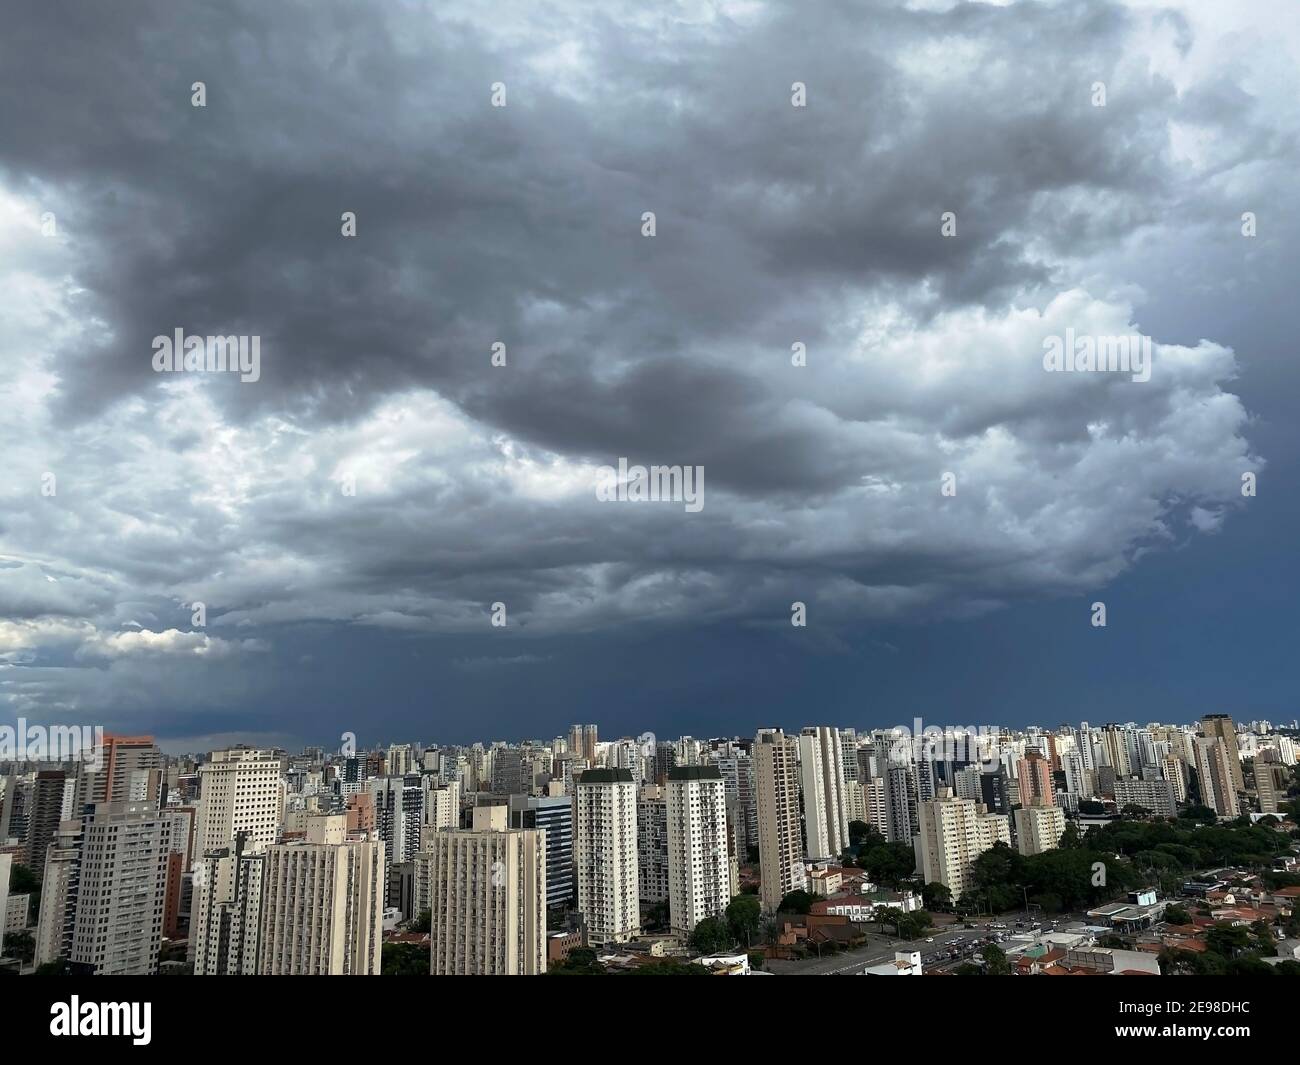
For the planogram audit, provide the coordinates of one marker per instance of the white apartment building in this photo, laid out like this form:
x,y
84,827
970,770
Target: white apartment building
x,y
117,930
241,790
487,902
55,921
825,804
225,922
322,903
699,869
953,833
606,852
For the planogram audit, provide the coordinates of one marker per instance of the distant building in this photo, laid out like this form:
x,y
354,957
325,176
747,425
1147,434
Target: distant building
x,y
1154,795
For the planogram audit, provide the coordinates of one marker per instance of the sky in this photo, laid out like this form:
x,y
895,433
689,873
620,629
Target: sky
x,y
868,218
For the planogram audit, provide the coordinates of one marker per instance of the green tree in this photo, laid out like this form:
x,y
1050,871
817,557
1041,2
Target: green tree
x,y
711,936
995,960
913,925
936,896
796,902
744,915
423,922
1176,914
404,959
20,945
888,863
859,831
580,962
1227,940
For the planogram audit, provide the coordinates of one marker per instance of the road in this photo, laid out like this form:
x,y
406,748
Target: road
x,y
879,949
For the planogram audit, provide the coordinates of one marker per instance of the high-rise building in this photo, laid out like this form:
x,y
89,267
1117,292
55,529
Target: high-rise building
x,y
399,813
554,816
53,792
606,847
652,845
488,902
241,790
780,841
322,903
6,869
58,910
1175,771
1038,828
699,874
1220,727
442,804
117,930
226,925
582,742
1214,771
953,833
1115,750
1034,772
825,805
1271,782
129,769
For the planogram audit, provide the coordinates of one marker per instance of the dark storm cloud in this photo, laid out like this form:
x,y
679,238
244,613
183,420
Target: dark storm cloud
x,y
522,224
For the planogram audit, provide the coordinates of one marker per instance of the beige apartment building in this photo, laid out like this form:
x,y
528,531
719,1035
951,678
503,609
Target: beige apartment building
x,y
1039,828
1221,728
487,902
322,903
1214,771
953,833
780,839
117,930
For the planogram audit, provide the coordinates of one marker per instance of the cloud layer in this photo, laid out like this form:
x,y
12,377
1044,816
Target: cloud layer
x,y
474,484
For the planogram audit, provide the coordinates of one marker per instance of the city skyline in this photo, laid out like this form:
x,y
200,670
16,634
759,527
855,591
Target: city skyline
x,y
812,280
